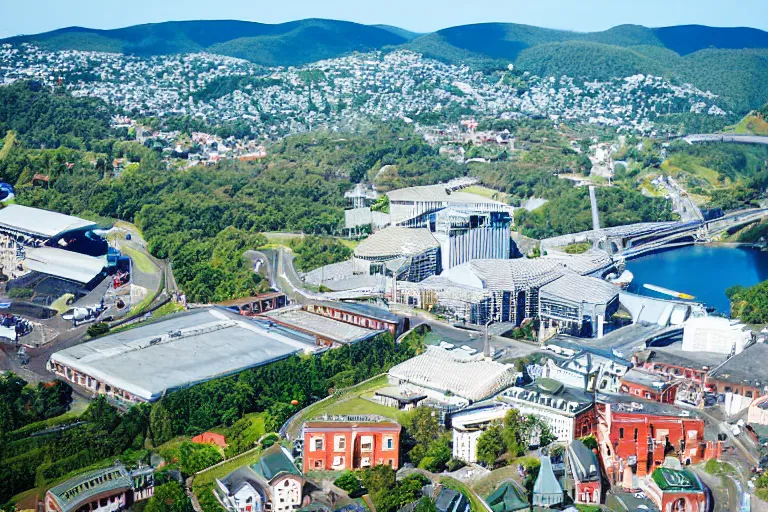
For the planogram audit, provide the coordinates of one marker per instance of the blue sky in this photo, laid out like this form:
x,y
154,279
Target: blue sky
x,y
32,16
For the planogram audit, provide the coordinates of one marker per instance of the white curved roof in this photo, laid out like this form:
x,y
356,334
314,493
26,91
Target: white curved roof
x,y
469,377
396,241
65,264
520,273
40,222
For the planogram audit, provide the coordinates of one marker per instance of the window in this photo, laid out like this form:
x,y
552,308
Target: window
x,y
316,444
338,462
340,443
389,443
621,433
366,443
635,434
318,464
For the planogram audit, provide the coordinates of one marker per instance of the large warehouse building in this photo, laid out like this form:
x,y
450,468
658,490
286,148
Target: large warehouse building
x,y
142,364
498,290
50,243
411,202
407,254
578,305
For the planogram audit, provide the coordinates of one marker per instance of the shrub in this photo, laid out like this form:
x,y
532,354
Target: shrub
x,y
348,482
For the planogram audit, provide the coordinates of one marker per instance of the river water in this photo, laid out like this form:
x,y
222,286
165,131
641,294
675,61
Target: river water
x,y
704,271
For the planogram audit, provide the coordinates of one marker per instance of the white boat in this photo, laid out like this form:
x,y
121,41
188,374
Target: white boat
x,y
624,280
667,291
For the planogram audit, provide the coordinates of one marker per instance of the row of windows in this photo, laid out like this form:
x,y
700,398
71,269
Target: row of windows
x,y
317,444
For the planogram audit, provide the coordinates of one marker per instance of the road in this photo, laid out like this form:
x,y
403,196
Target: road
x,y
718,137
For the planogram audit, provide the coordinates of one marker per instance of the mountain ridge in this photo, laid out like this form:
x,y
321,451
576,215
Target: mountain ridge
x,y
729,61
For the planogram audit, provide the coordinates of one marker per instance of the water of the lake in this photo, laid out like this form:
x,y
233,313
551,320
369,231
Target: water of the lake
x,y
703,271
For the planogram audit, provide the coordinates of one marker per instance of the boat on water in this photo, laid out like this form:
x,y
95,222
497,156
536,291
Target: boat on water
x,y
667,291
623,280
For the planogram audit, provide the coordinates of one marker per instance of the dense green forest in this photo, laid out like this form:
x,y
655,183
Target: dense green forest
x,y
315,251
34,461
569,212
22,404
750,305
203,218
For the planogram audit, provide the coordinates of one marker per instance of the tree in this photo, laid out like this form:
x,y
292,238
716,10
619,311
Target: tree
x,y
378,478
348,482
437,455
422,425
491,445
426,505
278,414
160,424
512,433
169,497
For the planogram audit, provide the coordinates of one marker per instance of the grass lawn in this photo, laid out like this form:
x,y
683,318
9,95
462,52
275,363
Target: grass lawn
x,y
209,476
487,192
748,126
578,248
489,483
140,260
360,406
10,139
346,394
349,243
252,433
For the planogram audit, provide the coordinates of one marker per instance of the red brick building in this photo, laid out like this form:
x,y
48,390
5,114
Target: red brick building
x,y
347,444
361,315
643,384
634,436
676,491
584,468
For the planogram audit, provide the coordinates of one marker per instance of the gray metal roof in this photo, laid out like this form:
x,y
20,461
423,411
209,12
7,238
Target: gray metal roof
x,y
323,326
521,273
747,368
39,222
575,288
396,241
65,264
583,461
70,495
438,193
149,360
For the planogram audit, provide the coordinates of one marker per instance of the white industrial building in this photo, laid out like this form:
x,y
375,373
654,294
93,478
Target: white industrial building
x,y
452,376
468,425
410,254
60,244
715,334
142,364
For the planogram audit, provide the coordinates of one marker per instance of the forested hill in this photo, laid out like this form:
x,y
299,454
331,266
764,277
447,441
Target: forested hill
x,y
285,44
730,62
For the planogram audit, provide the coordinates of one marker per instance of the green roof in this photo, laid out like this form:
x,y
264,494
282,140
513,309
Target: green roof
x,y
675,480
273,462
82,488
549,385
507,498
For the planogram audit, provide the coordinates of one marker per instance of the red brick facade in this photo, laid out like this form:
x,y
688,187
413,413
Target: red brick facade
x,y
587,492
665,394
351,317
638,442
330,445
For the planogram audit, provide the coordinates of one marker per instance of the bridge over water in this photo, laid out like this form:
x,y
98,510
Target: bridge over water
x,y
636,239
